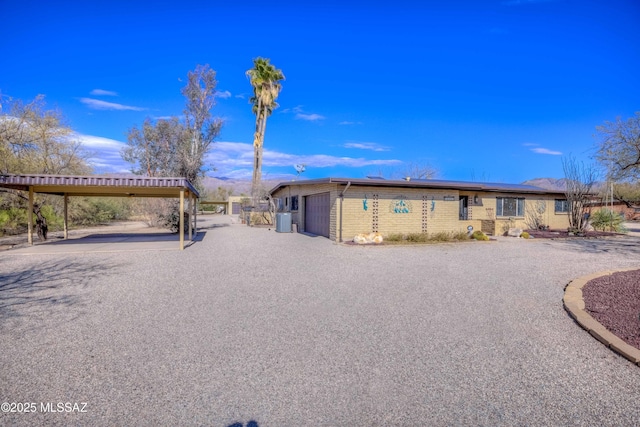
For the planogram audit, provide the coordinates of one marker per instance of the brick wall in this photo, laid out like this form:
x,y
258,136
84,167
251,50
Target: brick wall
x,y
301,190
366,209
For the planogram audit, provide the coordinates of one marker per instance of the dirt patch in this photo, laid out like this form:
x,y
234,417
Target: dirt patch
x,y
614,301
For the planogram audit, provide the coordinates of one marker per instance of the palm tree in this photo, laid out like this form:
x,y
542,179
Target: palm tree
x,y
265,79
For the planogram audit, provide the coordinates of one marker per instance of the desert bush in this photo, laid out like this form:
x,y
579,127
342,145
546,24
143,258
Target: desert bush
x,y
525,235
459,235
260,218
395,237
439,237
479,235
417,237
607,220
13,220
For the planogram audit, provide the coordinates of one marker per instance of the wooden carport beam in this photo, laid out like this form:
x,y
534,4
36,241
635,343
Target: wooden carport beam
x,y
66,216
190,217
195,216
30,217
181,230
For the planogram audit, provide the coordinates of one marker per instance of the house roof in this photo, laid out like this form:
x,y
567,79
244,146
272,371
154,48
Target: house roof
x,y
99,185
426,183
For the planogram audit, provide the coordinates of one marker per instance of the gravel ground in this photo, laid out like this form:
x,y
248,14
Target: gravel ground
x,y
253,327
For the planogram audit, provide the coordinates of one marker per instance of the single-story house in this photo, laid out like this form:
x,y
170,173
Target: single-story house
x,y
340,208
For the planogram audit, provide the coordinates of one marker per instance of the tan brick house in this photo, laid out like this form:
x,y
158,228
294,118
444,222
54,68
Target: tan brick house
x,y
340,208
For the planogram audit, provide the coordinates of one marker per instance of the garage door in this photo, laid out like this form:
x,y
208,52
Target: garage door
x,y
316,214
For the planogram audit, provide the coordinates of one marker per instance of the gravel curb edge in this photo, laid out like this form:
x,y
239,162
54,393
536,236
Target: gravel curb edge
x,y
574,304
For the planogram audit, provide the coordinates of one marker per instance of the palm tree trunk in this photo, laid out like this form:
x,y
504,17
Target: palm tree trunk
x,y
257,155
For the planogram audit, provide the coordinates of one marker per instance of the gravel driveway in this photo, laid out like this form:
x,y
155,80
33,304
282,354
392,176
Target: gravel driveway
x,y
253,327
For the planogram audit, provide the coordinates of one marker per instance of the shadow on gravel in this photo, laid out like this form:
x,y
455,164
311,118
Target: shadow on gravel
x,y
44,287
249,424
212,226
618,245
110,237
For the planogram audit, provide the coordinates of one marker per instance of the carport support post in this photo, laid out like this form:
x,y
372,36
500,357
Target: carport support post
x,y
66,213
195,216
181,230
190,217
30,217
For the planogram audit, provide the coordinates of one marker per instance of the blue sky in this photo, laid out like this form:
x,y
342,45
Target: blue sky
x,y
481,90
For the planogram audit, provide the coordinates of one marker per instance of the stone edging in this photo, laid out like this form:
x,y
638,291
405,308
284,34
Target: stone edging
x,y
574,304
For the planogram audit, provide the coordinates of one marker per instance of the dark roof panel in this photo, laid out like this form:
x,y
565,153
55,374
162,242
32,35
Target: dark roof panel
x,y
24,181
427,183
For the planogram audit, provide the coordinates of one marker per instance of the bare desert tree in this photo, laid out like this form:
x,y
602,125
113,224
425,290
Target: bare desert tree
x,y
619,149
579,179
36,140
534,214
418,170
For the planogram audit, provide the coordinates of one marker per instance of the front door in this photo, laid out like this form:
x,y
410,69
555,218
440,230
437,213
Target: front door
x,y
464,208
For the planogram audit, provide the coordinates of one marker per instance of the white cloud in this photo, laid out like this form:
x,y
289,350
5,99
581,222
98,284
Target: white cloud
x,y
241,96
227,156
97,104
541,150
99,142
309,117
224,94
346,122
373,146
301,115
104,153
230,159
102,92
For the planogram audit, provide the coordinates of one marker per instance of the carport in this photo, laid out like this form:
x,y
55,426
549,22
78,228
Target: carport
x,y
103,186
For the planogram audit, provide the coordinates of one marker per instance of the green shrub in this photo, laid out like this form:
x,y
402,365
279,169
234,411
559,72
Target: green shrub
x,y
13,220
479,235
607,220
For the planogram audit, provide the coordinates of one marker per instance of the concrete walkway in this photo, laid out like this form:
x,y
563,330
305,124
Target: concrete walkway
x,y
285,329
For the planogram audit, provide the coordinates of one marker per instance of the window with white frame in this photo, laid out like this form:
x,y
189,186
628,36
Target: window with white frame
x,y
509,206
562,206
294,203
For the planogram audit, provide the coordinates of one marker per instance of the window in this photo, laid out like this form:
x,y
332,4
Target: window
x,y
294,203
509,206
562,206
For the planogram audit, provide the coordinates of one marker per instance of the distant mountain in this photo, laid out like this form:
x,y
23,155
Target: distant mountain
x,y
239,186
556,184
553,184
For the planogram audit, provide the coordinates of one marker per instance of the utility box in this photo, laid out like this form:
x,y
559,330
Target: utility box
x,y
283,222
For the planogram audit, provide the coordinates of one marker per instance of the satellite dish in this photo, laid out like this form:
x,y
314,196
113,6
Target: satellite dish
x,y
300,168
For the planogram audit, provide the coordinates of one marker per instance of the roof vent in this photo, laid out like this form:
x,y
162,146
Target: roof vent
x,y
375,177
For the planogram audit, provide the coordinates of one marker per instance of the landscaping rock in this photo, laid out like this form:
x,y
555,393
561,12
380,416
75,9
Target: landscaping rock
x,y
514,232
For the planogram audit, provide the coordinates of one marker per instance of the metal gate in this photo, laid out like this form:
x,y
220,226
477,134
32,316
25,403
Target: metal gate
x,y
235,208
317,214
